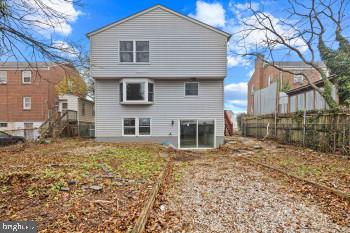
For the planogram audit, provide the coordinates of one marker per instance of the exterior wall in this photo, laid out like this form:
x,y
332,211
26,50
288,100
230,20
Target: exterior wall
x,y
170,105
72,102
178,48
89,111
41,90
260,77
265,100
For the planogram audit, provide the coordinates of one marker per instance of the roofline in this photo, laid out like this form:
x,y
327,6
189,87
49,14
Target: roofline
x,y
318,83
89,34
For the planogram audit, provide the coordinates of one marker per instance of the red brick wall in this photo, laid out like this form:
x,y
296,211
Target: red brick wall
x,y
41,90
259,79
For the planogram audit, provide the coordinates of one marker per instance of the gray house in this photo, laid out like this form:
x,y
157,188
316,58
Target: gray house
x,y
159,76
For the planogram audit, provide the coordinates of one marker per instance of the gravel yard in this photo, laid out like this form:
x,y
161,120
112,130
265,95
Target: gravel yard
x,y
219,192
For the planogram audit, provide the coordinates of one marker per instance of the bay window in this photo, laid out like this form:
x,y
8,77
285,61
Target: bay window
x,y
136,91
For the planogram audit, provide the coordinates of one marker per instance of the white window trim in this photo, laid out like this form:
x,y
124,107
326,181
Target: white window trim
x,y
134,53
24,103
269,80
137,80
137,124
191,96
194,148
31,77
298,77
5,81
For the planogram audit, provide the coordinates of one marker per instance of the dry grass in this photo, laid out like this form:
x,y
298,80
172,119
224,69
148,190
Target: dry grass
x,y
32,179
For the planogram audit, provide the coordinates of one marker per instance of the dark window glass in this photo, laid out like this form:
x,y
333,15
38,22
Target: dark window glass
x,y
150,92
142,51
144,126
121,92
3,124
126,51
135,91
191,89
129,126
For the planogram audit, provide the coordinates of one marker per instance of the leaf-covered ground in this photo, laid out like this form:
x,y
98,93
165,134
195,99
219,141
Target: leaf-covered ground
x,y
52,184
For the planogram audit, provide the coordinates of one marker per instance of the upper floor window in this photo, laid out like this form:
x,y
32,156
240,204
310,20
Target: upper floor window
x,y
83,108
3,77
134,51
26,77
191,88
298,79
137,91
27,103
3,124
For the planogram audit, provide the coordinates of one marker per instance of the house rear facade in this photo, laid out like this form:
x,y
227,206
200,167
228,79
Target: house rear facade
x,y
159,76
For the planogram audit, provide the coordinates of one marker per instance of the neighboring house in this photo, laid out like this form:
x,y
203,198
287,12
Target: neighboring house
x,y
84,108
27,94
159,76
267,86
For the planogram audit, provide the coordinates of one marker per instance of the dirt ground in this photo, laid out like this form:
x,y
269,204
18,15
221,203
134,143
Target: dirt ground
x,y
77,185
219,191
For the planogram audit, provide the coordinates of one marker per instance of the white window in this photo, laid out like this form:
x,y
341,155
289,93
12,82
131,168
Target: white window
x,y
3,77
137,91
136,126
26,77
144,126
298,79
191,88
3,124
133,51
27,103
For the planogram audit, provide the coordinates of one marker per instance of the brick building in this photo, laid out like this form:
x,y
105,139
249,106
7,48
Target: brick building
x,y
27,93
264,75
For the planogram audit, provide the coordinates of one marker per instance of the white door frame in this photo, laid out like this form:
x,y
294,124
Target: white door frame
x,y
198,119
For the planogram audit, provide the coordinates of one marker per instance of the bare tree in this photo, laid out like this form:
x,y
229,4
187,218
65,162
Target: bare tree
x,y
302,33
26,28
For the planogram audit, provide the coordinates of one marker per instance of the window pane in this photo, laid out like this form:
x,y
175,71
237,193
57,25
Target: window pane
x,y
135,91
126,46
142,56
129,130
142,46
150,92
188,131
145,122
191,89
121,92
191,92
206,134
144,130
126,57
129,121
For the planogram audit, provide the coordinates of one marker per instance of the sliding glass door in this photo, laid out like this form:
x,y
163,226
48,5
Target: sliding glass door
x,y
197,134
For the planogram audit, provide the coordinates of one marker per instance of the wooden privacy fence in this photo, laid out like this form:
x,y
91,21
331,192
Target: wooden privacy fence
x,y
324,131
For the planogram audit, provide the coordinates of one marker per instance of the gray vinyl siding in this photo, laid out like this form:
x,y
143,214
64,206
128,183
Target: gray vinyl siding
x,y
178,48
170,104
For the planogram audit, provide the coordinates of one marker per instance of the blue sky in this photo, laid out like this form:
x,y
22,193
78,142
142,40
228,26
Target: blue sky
x,y
94,14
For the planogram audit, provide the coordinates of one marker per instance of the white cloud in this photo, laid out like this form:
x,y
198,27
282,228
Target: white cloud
x,y
66,49
210,13
52,16
236,97
250,73
236,60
